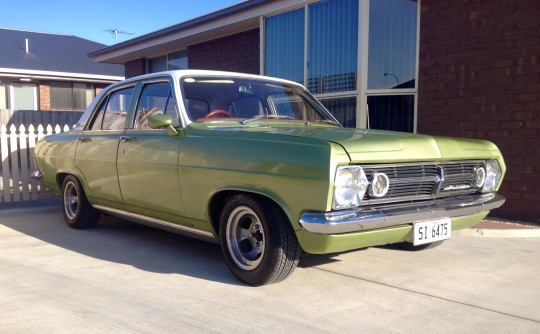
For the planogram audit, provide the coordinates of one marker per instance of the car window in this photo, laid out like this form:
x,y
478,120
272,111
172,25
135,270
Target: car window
x,y
246,107
214,99
293,106
156,98
113,112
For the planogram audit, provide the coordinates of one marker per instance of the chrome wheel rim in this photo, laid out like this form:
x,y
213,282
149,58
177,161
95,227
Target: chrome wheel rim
x,y
245,237
71,200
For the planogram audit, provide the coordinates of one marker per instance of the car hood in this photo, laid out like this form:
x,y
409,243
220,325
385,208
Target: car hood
x,y
389,146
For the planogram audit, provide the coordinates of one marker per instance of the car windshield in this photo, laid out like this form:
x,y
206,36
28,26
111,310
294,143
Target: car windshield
x,y
211,99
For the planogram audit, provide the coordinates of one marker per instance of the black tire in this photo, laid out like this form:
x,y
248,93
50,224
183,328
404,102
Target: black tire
x,y
411,247
257,240
78,213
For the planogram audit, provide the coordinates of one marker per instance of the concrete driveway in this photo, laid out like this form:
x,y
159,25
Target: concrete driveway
x,y
125,278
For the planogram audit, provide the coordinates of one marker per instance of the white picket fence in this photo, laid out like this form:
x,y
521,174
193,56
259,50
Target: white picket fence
x,y
17,153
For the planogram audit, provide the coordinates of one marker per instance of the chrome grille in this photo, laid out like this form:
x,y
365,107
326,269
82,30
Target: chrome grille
x,y
416,181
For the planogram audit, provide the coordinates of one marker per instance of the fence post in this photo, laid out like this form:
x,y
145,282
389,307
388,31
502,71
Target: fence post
x,y
23,156
34,191
14,163
5,164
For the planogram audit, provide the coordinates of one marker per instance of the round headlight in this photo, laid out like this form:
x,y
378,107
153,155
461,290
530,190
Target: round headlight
x,y
350,186
479,177
379,185
493,176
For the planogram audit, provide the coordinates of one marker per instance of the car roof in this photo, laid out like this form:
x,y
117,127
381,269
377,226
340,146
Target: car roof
x,y
177,74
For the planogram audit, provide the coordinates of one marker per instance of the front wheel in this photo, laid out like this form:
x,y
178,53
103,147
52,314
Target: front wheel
x,y
78,213
257,241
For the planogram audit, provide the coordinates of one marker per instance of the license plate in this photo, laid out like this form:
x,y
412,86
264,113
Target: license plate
x,y
433,230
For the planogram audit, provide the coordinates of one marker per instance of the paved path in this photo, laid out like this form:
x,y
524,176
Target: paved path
x,y
125,278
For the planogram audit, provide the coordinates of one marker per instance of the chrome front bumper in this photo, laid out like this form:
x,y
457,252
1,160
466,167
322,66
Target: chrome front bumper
x,y
370,218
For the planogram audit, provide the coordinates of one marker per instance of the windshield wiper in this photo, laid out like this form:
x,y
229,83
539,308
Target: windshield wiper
x,y
326,121
256,118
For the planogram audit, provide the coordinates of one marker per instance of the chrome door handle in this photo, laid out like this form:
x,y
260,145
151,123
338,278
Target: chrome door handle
x,y
84,139
126,138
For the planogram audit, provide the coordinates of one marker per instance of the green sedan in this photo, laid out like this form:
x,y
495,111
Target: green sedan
x,y
259,166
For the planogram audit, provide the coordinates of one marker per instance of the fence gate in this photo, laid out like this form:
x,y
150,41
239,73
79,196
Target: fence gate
x,y
17,154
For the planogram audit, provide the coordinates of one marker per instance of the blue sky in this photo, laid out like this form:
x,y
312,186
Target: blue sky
x,y
89,19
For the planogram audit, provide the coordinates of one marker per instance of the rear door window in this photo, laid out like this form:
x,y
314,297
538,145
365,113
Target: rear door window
x,y
113,112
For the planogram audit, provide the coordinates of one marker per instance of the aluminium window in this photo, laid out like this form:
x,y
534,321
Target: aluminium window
x,y
349,53
169,62
391,112
23,96
392,44
284,56
71,95
329,63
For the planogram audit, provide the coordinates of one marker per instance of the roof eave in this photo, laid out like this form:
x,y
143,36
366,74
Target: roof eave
x,y
236,18
61,76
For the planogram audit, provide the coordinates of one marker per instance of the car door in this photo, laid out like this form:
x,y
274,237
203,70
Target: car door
x,y
97,148
148,158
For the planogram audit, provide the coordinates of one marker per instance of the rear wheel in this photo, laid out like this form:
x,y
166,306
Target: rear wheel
x,y
78,213
257,241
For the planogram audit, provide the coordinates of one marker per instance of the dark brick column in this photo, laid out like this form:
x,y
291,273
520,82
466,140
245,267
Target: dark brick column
x,y
135,67
480,78
44,96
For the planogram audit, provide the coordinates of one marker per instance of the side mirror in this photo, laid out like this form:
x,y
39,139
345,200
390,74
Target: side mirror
x,y
162,121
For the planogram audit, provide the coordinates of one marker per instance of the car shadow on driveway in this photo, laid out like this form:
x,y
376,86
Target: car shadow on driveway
x,y
119,241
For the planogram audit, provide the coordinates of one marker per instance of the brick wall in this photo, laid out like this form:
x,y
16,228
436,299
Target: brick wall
x,y
44,96
135,67
237,53
99,87
480,77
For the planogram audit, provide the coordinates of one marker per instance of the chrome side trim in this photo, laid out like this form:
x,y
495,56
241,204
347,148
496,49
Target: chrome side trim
x,y
370,218
161,224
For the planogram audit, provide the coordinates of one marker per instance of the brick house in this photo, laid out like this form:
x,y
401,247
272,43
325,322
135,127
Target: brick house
x,y
41,71
453,68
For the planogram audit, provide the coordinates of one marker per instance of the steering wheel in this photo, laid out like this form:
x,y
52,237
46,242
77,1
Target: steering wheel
x,y
219,112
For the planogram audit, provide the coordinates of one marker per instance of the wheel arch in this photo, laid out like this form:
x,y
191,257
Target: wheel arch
x,y
61,176
219,198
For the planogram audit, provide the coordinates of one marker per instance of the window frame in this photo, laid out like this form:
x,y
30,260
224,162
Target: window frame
x,y
35,94
100,108
167,60
139,95
72,94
